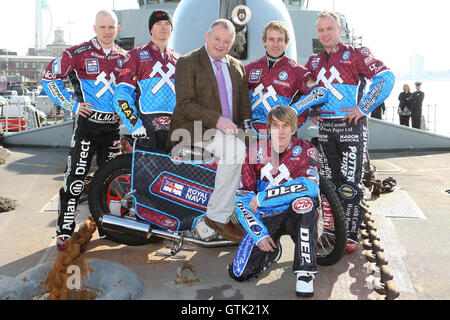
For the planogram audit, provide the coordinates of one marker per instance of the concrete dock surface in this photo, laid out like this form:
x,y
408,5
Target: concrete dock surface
x,y
412,222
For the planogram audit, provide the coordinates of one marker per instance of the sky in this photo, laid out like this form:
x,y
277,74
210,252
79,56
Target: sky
x,y
394,30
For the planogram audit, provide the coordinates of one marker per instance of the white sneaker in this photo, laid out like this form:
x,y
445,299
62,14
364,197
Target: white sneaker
x,y
305,284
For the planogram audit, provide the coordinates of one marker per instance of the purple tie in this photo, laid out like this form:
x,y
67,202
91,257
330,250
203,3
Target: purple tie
x,y
222,90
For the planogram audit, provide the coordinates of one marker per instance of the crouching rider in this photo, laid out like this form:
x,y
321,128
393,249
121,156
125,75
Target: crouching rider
x,y
278,196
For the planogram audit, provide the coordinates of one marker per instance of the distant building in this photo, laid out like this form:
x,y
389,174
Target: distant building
x,y
7,52
30,67
54,49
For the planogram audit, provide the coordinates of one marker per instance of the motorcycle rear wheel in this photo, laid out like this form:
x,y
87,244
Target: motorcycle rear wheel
x,y
332,231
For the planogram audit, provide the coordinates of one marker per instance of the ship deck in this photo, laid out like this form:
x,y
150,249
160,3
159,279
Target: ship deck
x,y
412,222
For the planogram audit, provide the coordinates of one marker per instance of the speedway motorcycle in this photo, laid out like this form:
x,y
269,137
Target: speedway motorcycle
x,y
142,196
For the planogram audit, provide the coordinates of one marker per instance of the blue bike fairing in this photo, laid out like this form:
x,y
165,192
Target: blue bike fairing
x,y
148,168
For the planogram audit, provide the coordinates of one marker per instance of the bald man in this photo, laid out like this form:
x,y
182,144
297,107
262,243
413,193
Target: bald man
x,y
92,68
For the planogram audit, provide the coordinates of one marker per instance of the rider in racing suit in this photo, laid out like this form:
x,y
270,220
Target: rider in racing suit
x,y
92,68
274,79
343,70
278,195
145,93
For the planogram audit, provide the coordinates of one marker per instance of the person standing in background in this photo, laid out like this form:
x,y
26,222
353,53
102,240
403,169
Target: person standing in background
x,y
415,102
404,111
379,111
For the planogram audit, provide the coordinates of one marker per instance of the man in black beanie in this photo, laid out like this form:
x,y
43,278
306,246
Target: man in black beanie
x,y
159,15
148,75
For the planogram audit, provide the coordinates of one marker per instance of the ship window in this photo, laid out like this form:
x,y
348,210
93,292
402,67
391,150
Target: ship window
x,y
145,2
317,46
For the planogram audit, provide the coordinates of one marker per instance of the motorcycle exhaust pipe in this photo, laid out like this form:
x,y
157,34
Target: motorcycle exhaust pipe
x,y
123,225
176,237
144,230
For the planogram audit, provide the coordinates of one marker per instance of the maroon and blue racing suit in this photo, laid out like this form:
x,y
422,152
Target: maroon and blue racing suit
x,y
273,85
286,186
344,72
145,93
93,75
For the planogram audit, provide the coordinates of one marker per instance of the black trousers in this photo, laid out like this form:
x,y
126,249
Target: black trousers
x,y
84,145
416,117
404,120
249,260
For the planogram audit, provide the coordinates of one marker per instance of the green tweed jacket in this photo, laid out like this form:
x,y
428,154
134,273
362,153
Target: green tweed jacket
x,y
197,94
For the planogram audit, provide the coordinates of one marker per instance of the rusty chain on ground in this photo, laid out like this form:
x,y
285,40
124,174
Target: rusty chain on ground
x,y
56,282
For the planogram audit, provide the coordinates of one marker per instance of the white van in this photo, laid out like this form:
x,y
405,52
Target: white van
x,y
9,94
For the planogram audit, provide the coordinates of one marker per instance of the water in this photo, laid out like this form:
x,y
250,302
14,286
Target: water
x,y
436,104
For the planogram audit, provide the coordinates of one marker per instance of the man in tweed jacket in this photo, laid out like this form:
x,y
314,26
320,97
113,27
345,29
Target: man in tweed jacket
x,y
199,112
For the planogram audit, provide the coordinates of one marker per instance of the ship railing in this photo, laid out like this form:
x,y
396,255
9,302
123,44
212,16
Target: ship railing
x,y
430,116
12,123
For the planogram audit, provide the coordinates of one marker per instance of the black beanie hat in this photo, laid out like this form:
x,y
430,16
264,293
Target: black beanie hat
x,y
159,15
